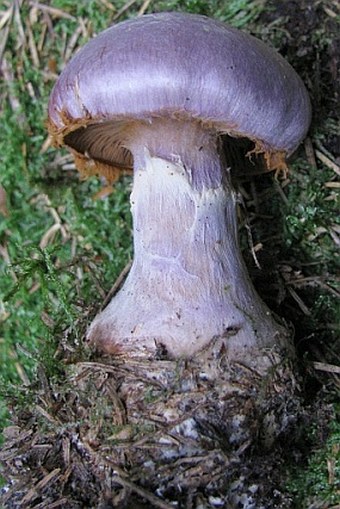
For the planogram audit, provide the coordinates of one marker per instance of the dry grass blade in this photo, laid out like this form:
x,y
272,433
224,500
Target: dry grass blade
x,y
5,16
327,162
58,503
47,416
46,144
111,391
69,50
157,502
299,301
33,493
328,368
312,281
32,46
332,185
144,7
5,255
117,284
332,10
310,152
331,470
58,225
43,34
281,193
49,236
253,248
5,24
8,74
21,38
108,5
22,374
72,43
4,33
3,202
90,367
335,236
53,11
134,369
125,8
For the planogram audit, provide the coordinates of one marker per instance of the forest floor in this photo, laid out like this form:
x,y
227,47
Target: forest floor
x,y
62,248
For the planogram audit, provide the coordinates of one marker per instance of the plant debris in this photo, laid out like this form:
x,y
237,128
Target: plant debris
x,y
120,432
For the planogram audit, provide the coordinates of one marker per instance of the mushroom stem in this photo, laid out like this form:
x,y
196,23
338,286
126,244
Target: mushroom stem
x,y
188,289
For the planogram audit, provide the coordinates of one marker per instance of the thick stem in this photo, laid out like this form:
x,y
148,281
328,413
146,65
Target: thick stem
x,y
188,289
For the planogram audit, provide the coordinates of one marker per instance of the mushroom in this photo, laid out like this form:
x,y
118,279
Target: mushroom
x,y
157,93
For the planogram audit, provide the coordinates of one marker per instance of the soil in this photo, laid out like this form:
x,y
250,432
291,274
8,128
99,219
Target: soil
x,y
123,433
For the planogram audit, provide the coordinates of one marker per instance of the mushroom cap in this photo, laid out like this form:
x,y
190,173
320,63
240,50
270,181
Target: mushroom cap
x,y
180,66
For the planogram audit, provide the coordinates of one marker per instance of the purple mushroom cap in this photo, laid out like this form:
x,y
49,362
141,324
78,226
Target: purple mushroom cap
x,y
177,65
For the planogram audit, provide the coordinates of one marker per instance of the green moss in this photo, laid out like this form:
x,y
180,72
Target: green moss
x,y
319,481
238,13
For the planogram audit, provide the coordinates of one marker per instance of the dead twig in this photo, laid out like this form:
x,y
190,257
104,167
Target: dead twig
x,y
328,368
299,301
311,281
117,284
150,497
327,162
280,191
310,152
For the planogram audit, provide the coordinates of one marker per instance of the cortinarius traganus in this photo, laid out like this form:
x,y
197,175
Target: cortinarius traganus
x,y
157,93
